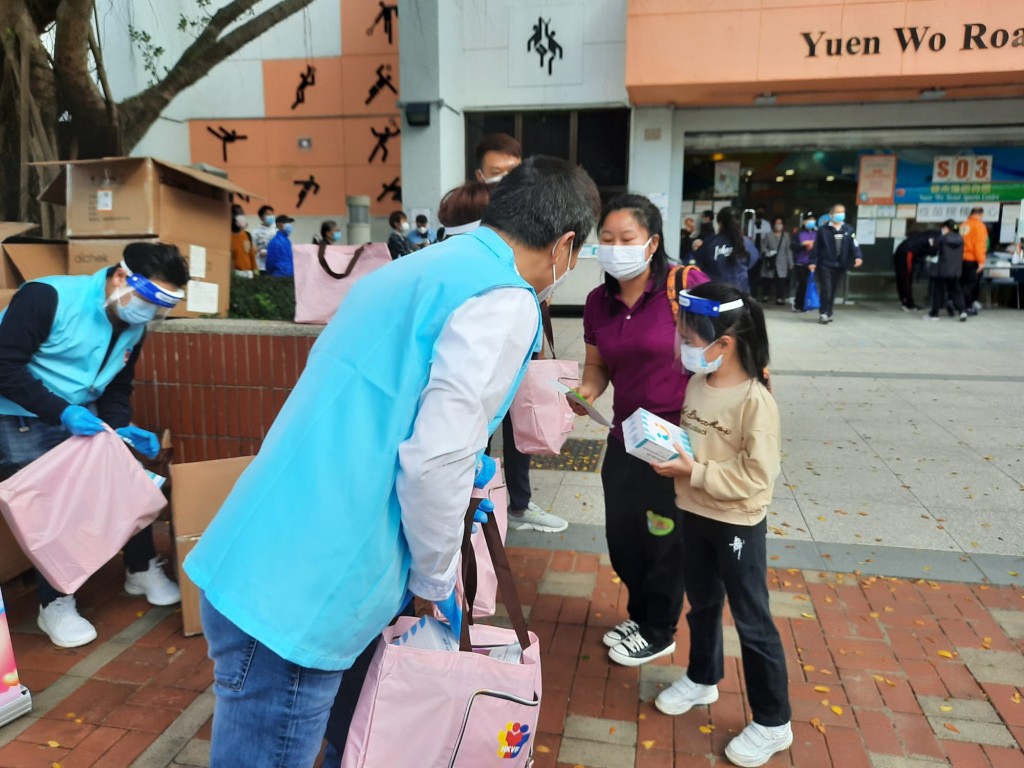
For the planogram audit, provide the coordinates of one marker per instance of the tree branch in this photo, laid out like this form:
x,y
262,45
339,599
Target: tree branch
x,y
139,112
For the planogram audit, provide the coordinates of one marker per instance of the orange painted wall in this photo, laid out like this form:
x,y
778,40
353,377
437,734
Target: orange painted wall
x,y
729,51
328,133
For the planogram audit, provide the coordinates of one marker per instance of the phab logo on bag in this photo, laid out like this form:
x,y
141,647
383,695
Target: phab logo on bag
x,y
512,739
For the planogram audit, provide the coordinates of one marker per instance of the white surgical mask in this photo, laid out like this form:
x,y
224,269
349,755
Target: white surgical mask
x,y
404,226
422,230
547,293
624,262
494,179
694,361
241,222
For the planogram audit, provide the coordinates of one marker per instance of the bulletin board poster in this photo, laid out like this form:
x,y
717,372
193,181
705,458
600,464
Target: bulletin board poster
x,y
727,179
876,180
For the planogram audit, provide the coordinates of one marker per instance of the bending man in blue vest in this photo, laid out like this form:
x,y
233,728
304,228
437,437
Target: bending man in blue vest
x,y
358,493
68,347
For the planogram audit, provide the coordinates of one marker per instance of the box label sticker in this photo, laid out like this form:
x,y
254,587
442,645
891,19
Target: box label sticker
x,y
202,297
104,200
197,261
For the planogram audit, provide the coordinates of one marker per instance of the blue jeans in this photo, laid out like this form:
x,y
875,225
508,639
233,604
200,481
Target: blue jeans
x,y
24,439
270,713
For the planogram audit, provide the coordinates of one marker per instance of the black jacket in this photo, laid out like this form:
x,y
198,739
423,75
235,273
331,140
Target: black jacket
x,y
921,244
950,258
835,248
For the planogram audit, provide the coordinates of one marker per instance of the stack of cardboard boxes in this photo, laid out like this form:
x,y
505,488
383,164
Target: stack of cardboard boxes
x,y
116,201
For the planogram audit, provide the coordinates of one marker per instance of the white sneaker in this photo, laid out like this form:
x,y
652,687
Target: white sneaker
x,y
66,629
615,636
683,695
977,306
154,584
757,743
533,518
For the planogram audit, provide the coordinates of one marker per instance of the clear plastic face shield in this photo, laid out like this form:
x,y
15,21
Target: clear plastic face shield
x,y
147,302
692,358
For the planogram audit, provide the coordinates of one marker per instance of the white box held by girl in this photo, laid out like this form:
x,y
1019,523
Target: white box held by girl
x,y
652,438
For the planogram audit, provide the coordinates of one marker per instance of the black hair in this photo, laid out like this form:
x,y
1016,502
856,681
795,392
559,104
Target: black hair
x,y
779,218
157,261
951,225
236,210
326,227
263,210
708,214
729,227
541,200
395,218
810,215
421,220
745,324
647,216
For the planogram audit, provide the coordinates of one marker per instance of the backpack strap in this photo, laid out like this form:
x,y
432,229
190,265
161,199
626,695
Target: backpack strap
x,y
672,288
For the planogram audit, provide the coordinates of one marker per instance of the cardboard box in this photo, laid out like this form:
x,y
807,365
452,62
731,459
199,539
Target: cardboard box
x,y
206,294
198,491
143,197
651,438
27,258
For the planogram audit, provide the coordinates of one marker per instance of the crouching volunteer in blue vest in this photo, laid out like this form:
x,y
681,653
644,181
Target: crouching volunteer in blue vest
x,y
358,494
68,347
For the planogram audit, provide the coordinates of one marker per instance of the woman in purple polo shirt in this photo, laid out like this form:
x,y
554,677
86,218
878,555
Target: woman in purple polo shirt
x,y
631,339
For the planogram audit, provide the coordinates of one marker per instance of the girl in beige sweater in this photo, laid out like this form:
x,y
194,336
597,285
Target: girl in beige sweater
x,y
724,490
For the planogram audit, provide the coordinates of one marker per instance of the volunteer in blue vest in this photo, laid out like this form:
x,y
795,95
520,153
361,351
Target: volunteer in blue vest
x,y
358,494
68,348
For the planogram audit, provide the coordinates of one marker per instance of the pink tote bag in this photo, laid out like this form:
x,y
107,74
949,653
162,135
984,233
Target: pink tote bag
x,y
541,416
486,601
451,709
73,508
324,274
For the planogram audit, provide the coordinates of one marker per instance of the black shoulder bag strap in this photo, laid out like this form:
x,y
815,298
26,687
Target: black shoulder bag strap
x,y
321,255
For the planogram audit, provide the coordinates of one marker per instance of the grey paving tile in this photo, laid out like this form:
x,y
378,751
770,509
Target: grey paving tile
x,y
579,503
567,584
961,709
595,754
972,732
600,729
892,761
1012,622
1006,667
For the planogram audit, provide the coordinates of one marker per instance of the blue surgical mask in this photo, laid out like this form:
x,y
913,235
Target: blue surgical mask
x,y
288,228
811,224
268,221
336,237
840,217
138,311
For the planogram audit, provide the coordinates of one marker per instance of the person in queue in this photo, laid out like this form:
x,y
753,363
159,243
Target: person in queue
x,y
68,350
728,256
369,478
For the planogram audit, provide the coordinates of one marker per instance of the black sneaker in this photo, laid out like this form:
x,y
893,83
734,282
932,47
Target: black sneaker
x,y
616,635
635,650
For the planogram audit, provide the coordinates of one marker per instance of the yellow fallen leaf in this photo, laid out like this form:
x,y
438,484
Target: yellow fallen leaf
x,y
616,580
56,765
874,614
837,709
642,716
1016,697
888,609
52,744
951,727
825,702
945,654
808,667
611,730
818,724
171,651
706,728
807,615
825,671
542,749
822,688
70,715
647,744
139,614
879,679
79,720
821,517
945,708
1013,573
890,683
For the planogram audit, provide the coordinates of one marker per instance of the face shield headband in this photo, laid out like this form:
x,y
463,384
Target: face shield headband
x,y
706,307
151,292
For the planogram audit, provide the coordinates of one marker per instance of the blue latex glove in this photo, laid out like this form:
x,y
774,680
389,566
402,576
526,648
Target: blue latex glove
x,y
141,440
452,611
480,516
485,470
79,420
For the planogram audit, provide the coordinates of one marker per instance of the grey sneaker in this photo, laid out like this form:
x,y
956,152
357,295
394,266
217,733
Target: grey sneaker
x,y
533,518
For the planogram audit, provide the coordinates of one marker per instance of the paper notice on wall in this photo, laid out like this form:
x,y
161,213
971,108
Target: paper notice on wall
x,y
197,261
660,200
899,229
727,179
687,207
906,211
104,200
866,231
1008,224
202,297
883,228
885,212
866,211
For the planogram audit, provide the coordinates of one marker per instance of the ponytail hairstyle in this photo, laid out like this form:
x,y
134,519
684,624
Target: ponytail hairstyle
x,y
729,227
647,216
745,324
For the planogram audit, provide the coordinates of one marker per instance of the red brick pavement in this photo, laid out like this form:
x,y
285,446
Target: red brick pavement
x,y
868,646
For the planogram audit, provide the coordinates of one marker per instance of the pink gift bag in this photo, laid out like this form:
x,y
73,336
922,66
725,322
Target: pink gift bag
x,y
541,416
324,274
73,508
452,709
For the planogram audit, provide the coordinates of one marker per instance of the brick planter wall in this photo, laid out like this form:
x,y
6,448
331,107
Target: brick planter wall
x,y
218,384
